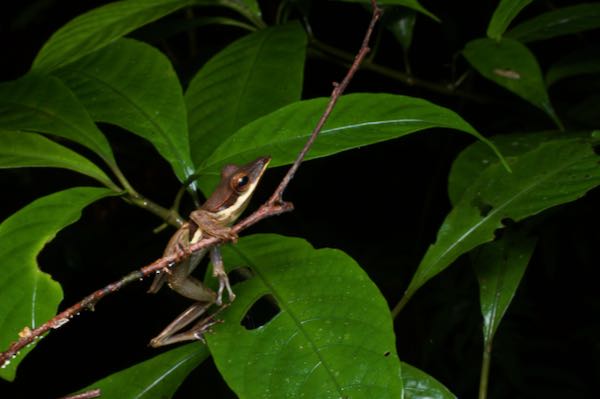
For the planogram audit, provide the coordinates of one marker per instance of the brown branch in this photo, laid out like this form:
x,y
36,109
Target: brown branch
x,y
274,206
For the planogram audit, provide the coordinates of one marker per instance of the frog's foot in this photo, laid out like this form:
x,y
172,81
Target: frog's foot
x,y
219,272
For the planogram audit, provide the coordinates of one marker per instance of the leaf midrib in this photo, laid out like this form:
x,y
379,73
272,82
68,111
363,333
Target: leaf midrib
x,y
497,209
179,155
283,305
325,132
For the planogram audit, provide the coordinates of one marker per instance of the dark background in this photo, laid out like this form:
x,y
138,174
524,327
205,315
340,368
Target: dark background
x,y
381,204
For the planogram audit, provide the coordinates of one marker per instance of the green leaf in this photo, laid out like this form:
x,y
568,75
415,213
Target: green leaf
x,y
477,157
583,61
500,266
357,120
237,85
132,85
401,22
511,65
563,21
554,173
44,104
158,377
333,336
250,5
29,297
412,4
420,385
99,27
21,149
506,11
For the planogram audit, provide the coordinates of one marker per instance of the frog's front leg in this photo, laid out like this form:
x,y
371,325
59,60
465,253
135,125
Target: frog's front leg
x,y
219,272
213,227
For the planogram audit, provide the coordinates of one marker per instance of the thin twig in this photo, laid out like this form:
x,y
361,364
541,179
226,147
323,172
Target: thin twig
x,y
274,206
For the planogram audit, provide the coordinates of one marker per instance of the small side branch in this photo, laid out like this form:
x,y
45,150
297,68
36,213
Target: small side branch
x,y
274,206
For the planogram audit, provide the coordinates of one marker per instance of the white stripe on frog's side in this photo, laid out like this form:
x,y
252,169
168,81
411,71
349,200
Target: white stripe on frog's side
x,y
196,237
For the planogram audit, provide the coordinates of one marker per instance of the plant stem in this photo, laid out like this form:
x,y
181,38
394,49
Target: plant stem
x,y
401,304
344,57
485,369
123,180
168,215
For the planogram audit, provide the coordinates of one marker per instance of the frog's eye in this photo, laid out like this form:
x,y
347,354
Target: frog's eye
x,y
240,182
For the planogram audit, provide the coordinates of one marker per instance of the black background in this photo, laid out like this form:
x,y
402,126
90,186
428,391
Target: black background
x,y
381,204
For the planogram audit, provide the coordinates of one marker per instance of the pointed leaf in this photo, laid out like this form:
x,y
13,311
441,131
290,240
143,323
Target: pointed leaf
x,y
553,173
581,62
250,5
500,265
563,21
29,297
413,4
133,85
158,377
511,65
44,104
21,149
401,22
333,336
506,11
420,385
357,120
99,27
476,158
252,77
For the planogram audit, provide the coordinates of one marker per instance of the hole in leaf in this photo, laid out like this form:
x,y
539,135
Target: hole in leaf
x,y
261,312
498,233
387,353
508,222
240,274
484,208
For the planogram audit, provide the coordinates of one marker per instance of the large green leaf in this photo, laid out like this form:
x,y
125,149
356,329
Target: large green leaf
x,y
44,104
158,377
553,173
413,4
420,385
332,337
357,120
21,149
563,21
29,297
99,27
500,265
248,79
133,85
583,61
511,65
477,157
506,11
